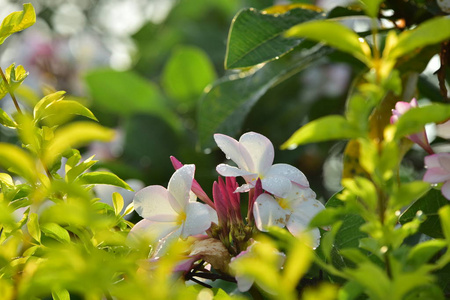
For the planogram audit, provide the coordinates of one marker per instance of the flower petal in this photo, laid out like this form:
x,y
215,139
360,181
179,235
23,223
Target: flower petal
x,y
260,150
298,193
152,230
436,175
165,243
277,185
198,219
268,212
444,160
296,227
290,172
304,211
230,147
230,171
432,161
153,203
180,185
446,190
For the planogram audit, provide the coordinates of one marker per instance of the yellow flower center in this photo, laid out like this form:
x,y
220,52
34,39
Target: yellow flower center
x,y
181,218
284,203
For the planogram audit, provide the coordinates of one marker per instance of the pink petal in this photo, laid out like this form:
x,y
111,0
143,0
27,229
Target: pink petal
x,y
401,107
180,185
260,149
154,203
268,212
446,190
436,175
432,161
444,160
230,147
198,219
290,172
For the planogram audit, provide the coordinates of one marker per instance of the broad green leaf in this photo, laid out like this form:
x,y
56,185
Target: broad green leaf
x,y
444,214
55,231
127,93
103,178
373,278
17,21
74,135
60,111
350,291
335,35
18,161
224,108
186,74
423,35
414,120
60,294
428,206
117,202
39,108
33,227
6,120
423,252
408,192
324,129
371,7
256,36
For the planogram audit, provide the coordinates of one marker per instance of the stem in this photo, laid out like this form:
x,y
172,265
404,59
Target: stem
x,y
16,104
376,52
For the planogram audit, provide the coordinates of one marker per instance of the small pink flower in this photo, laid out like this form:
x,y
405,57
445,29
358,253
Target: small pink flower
x,y
438,166
420,138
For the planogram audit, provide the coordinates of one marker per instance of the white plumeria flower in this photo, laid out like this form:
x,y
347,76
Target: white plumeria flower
x,y
172,213
254,154
295,211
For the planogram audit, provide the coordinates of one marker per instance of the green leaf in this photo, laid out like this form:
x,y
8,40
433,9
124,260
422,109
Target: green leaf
x,y
371,7
186,74
444,214
75,171
423,252
409,192
33,227
18,161
59,112
129,209
55,231
17,21
428,206
414,120
224,108
117,202
127,93
103,178
323,129
6,120
74,135
39,108
335,35
60,294
256,36
298,261
423,35
14,77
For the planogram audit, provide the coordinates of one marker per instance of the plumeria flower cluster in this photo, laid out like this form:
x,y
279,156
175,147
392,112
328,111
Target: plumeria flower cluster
x,y
278,195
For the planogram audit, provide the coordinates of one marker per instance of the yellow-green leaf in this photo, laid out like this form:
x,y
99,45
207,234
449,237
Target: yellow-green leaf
x,y
335,35
117,202
18,161
56,232
17,21
103,178
75,135
33,227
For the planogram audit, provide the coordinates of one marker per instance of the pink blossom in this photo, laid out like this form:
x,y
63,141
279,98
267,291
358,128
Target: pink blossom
x,y
438,170
420,138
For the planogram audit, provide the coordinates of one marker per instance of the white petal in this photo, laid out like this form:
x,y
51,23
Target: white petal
x,y
268,212
212,214
305,210
180,185
153,203
152,230
446,190
230,171
165,243
244,283
290,172
277,185
260,150
298,193
198,219
296,227
230,147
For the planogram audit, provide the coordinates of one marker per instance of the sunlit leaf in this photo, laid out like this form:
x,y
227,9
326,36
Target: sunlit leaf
x,y
224,108
409,192
423,252
423,35
60,294
324,129
18,161
17,21
58,112
33,227
6,120
186,74
103,178
256,36
371,7
335,35
56,232
74,135
117,202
